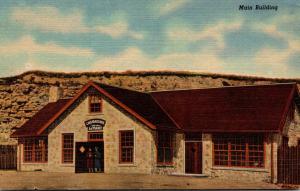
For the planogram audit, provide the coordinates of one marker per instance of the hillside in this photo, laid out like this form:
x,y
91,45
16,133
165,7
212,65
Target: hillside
x,y
23,95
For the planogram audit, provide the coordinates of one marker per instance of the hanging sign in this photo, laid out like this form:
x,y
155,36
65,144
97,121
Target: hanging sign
x,y
95,124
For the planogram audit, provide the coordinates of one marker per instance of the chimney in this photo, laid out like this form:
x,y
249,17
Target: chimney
x,y
55,93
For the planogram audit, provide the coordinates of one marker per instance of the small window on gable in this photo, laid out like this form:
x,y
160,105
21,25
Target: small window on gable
x,y
95,103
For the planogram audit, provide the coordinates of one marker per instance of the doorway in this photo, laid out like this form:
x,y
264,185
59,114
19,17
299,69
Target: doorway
x,y
81,160
193,153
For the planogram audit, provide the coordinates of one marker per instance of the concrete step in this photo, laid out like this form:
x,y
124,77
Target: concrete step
x,y
191,175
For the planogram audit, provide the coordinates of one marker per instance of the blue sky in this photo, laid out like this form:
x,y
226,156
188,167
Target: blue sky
x,y
118,35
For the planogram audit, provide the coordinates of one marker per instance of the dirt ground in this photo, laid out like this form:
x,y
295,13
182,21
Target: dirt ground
x,y
45,180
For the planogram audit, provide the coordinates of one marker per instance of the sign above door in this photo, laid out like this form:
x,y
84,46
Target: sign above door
x,y
95,124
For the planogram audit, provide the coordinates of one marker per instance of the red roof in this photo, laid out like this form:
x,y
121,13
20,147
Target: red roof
x,y
229,109
141,103
260,108
31,127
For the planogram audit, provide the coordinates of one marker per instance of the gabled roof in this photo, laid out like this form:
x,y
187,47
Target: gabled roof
x,y
137,104
31,127
141,103
261,108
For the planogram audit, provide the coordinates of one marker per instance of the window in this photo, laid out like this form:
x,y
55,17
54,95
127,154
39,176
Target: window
x,y
68,147
95,136
239,150
95,103
165,148
35,150
126,147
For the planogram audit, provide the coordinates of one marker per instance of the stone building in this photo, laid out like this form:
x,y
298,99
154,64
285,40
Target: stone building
x,y
229,132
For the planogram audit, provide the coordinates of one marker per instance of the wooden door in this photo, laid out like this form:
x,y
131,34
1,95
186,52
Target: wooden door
x,y
80,158
193,157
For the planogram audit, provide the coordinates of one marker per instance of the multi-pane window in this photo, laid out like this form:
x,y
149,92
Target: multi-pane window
x,y
35,150
95,103
164,147
95,136
126,146
28,150
67,147
241,150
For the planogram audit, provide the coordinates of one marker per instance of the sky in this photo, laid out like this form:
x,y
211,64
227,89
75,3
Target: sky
x,y
211,36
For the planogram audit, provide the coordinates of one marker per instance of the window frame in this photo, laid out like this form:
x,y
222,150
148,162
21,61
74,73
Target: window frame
x,y
247,151
100,104
94,140
121,161
63,149
35,147
171,143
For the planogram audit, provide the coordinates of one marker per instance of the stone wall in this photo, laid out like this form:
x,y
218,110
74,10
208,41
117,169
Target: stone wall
x,y
144,143
178,166
207,154
116,120
292,129
239,174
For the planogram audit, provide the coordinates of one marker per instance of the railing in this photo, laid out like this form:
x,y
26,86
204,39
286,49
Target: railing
x,y
288,163
8,157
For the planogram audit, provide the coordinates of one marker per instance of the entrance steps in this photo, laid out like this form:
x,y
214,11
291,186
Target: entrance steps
x,y
191,175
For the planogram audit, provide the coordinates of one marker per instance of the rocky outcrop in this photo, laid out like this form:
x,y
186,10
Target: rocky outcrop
x,y
22,96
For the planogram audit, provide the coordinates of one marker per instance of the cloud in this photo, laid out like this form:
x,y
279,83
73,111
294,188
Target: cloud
x,y
27,45
50,19
276,59
134,59
215,32
171,6
117,30
269,29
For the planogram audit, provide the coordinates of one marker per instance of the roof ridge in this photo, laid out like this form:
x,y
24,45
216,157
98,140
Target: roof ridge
x,y
99,83
222,87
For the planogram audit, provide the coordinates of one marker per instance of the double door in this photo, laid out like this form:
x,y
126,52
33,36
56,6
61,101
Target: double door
x,y
85,156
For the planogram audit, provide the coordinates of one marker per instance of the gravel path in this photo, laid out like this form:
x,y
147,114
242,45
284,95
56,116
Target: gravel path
x,y
47,180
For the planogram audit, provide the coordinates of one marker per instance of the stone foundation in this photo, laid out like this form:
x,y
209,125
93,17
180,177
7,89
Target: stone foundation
x,y
253,175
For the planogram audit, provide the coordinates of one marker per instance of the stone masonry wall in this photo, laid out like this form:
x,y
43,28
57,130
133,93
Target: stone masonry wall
x,y
207,154
292,129
115,121
178,158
